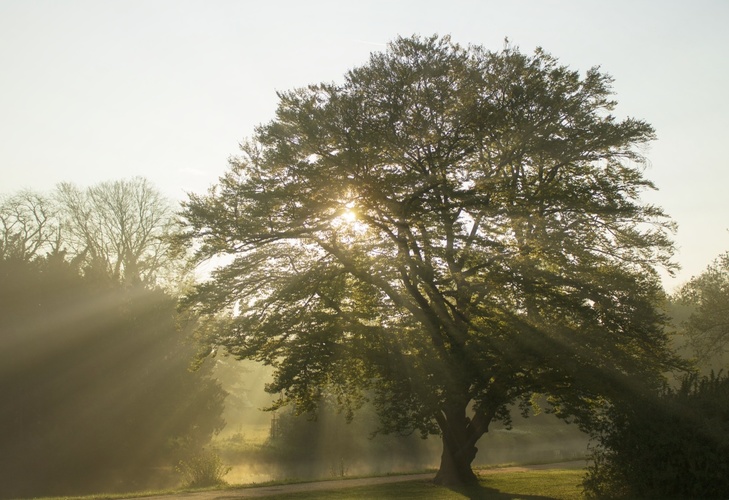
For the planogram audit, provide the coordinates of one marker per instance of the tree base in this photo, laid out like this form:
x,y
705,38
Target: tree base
x,y
451,474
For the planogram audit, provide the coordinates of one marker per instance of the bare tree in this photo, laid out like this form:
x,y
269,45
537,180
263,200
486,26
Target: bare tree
x,y
28,226
120,228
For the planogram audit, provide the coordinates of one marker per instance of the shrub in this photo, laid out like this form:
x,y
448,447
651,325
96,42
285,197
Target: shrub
x,y
675,445
203,469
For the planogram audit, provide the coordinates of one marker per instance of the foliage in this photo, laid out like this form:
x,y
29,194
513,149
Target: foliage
x,y
204,468
673,446
95,383
451,228
708,297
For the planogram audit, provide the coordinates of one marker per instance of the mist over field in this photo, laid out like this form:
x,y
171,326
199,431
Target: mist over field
x,y
263,446
111,389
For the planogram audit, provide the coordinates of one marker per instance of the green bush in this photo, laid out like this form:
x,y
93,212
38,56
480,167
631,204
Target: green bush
x,y
203,469
675,445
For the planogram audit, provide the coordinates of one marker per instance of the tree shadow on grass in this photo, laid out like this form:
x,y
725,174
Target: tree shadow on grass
x,y
481,492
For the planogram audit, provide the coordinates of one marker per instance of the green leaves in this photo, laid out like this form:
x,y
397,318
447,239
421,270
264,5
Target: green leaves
x,y
708,296
447,224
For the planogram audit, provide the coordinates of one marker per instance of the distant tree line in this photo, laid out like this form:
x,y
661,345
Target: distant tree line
x,y
117,229
94,357
704,301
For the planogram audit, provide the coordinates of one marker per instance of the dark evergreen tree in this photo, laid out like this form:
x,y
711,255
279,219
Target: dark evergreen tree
x,y
94,379
675,445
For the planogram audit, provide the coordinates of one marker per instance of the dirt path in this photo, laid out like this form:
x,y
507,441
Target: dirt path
x,y
339,484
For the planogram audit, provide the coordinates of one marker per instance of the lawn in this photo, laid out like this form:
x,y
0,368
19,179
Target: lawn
x,y
532,485
550,484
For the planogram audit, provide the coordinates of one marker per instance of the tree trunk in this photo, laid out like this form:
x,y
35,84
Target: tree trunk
x,y
455,465
459,436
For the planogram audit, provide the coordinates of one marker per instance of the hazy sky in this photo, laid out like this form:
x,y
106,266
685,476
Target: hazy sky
x,y
99,90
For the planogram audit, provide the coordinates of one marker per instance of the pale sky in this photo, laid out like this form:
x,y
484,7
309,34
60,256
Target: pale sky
x,y
97,90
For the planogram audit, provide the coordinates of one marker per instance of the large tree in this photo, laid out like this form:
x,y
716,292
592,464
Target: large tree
x,y
451,230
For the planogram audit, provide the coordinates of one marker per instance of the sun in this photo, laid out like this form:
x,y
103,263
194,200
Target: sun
x,y
349,216
349,221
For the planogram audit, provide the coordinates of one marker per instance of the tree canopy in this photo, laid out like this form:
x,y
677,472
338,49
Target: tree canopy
x,y
29,226
119,229
448,231
707,294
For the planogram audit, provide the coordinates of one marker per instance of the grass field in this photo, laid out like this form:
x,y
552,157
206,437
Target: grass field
x,y
550,484
532,485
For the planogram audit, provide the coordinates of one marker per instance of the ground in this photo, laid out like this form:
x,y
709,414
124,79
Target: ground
x,y
281,489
